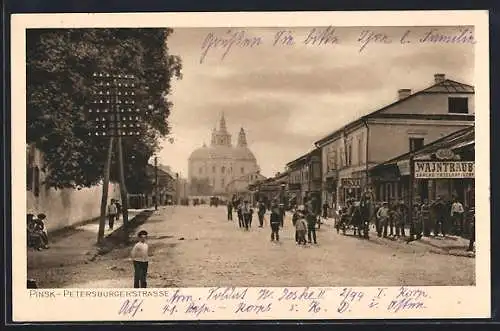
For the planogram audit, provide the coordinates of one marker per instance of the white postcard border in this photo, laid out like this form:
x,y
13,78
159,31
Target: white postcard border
x,y
444,302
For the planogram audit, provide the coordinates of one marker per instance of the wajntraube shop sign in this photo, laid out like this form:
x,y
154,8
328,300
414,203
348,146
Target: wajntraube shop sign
x,y
444,169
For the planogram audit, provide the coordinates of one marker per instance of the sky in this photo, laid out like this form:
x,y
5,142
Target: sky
x,y
287,95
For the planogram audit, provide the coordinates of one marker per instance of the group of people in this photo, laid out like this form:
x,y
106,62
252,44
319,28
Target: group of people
x,y
37,235
393,220
305,218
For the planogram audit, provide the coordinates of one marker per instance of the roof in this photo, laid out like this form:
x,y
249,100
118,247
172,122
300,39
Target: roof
x,y
446,86
303,158
222,152
455,140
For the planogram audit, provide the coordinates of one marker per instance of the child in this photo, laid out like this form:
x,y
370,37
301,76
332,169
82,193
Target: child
x,y
140,258
42,229
300,229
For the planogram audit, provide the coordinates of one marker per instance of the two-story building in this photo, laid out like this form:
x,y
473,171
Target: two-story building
x,y
412,121
241,187
305,176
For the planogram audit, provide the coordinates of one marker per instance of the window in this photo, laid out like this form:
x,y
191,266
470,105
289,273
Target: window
x,y
223,169
349,155
416,144
242,170
213,169
458,105
222,182
360,149
200,171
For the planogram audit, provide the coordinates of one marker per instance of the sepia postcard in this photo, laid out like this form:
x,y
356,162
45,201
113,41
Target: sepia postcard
x,y
250,166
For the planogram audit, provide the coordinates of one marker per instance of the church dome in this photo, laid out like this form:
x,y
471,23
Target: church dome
x,y
200,153
243,153
222,152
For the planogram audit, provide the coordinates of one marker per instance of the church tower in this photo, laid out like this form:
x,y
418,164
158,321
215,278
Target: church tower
x,y
242,138
221,137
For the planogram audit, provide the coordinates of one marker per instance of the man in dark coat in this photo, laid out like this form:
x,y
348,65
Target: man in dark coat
x,y
261,213
229,210
311,218
275,221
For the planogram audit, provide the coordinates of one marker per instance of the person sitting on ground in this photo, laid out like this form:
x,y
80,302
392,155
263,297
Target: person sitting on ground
x,y
33,236
40,225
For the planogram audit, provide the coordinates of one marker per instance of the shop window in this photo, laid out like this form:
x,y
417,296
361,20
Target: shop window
x,y
458,105
416,144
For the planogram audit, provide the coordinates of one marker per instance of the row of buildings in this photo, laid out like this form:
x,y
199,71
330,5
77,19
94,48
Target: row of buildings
x,y
423,140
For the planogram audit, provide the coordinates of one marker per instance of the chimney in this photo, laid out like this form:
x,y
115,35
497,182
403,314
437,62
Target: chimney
x,y
404,93
439,78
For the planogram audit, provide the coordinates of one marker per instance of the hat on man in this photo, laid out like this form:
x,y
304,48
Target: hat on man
x,y
142,233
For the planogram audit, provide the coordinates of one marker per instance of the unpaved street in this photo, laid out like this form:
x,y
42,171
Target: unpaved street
x,y
198,247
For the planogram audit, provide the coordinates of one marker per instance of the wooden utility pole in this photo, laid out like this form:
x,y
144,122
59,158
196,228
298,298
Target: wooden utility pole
x,y
156,183
105,186
114,115
123,187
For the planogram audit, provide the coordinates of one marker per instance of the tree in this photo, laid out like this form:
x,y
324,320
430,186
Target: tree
x,y
60,64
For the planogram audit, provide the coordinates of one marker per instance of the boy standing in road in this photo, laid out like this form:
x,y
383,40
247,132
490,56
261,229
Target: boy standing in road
x,y
140,258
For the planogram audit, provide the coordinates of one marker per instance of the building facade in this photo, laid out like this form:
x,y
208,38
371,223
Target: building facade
x,y
414,120
63,207
221,162
443,168
305,177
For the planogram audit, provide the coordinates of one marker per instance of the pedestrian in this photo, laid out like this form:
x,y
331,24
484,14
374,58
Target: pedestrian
x,y
247,214
425,218
472,235
457,214
140,257
34,235
416,226
325,210
300,228
311,218
261,213
275,221
112,210
118,209
229,211
239,212
378,227
383,216
439,211
282,214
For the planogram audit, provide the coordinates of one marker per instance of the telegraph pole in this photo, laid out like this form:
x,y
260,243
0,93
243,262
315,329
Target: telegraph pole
x,y
156,183
113,115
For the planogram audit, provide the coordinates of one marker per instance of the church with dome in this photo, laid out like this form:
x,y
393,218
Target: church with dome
x,y
222,163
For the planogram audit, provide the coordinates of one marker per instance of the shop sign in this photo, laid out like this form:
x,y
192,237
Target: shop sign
x,y
445,169
351,182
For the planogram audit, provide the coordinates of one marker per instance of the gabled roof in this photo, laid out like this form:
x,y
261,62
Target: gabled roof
x,y
446,86
455,140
